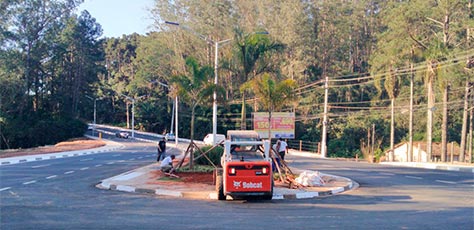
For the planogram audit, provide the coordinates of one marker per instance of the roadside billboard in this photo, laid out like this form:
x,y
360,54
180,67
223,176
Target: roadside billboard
x,y
283,124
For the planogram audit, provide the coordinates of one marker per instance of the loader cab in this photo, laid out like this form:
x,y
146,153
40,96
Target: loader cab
x,y
244,136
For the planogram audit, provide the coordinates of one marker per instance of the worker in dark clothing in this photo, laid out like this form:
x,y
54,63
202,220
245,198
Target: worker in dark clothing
x,y
161,149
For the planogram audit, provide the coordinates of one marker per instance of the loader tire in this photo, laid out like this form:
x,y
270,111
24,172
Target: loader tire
x,y
220,188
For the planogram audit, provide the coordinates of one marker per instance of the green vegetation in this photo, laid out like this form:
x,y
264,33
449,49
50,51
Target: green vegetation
x,y
168,178
371,52
42,130
197,168
214,155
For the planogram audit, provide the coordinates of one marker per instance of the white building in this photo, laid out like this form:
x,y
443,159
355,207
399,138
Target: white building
x,y
419,151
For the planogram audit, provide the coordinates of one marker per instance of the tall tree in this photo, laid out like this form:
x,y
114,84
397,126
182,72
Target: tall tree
x,y
32,26
78,62
273,95
250,60
434,29
194,88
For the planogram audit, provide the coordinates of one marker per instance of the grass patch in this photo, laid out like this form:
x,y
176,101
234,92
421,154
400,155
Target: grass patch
x,y
168,178
197,168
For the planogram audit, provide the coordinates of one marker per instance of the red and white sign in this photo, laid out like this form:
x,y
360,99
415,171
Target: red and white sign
x,y
283,125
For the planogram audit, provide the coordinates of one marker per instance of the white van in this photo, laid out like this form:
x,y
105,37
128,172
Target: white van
x,y
208,138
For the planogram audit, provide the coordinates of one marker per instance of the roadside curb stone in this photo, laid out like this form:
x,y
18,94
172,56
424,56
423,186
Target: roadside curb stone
x,y
135,182
446,167
108,147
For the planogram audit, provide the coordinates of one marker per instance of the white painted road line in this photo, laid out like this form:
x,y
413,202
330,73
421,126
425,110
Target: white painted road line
x,y
39,166
68,172
87,159
446,182
6,188
363,170
85,168
388,174
29,182
51,177
414,177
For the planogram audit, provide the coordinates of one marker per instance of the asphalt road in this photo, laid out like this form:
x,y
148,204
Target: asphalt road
x,y
61,194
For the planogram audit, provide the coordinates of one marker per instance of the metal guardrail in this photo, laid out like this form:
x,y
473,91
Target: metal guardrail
x,y
154,135
307,146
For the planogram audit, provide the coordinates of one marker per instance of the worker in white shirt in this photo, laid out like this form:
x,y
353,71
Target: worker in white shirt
x,y
167,164
282,148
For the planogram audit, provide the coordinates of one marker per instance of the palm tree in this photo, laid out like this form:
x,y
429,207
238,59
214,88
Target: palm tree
x,y
194,89
250,53
272,96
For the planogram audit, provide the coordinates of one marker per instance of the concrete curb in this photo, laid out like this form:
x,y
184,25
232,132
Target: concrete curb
x,y
278,193
110,146
445,167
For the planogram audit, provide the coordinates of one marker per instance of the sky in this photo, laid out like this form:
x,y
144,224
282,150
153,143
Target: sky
x,y
118,17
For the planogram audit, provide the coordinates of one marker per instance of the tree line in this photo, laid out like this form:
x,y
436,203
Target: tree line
x,y
404,67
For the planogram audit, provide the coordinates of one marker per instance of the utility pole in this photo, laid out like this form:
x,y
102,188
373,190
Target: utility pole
x,y
325,119
410,129
429,122
373,140
462,149
392,130
444,126
471,125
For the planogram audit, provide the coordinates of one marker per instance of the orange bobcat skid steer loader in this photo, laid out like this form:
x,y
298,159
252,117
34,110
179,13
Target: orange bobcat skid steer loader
x,y
246,171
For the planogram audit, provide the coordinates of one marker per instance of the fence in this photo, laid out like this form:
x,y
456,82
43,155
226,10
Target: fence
x,y
307,146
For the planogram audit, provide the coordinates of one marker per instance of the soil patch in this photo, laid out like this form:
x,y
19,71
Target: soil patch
x,y
70,145
184,177
196,177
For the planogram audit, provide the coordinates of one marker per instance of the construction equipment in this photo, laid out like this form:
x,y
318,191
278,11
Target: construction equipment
x,y
246,170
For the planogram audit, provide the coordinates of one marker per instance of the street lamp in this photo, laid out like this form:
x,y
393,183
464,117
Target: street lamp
x,y
133,113
173,117
95,113
216,64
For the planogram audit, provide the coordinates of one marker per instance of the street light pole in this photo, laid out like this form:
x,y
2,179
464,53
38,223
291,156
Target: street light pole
x,y
176,122
214,103
133,118
214,95
216,66
173,116
133,114
95,113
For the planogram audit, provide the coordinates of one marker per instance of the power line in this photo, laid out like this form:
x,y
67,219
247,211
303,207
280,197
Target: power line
x,y
399,72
